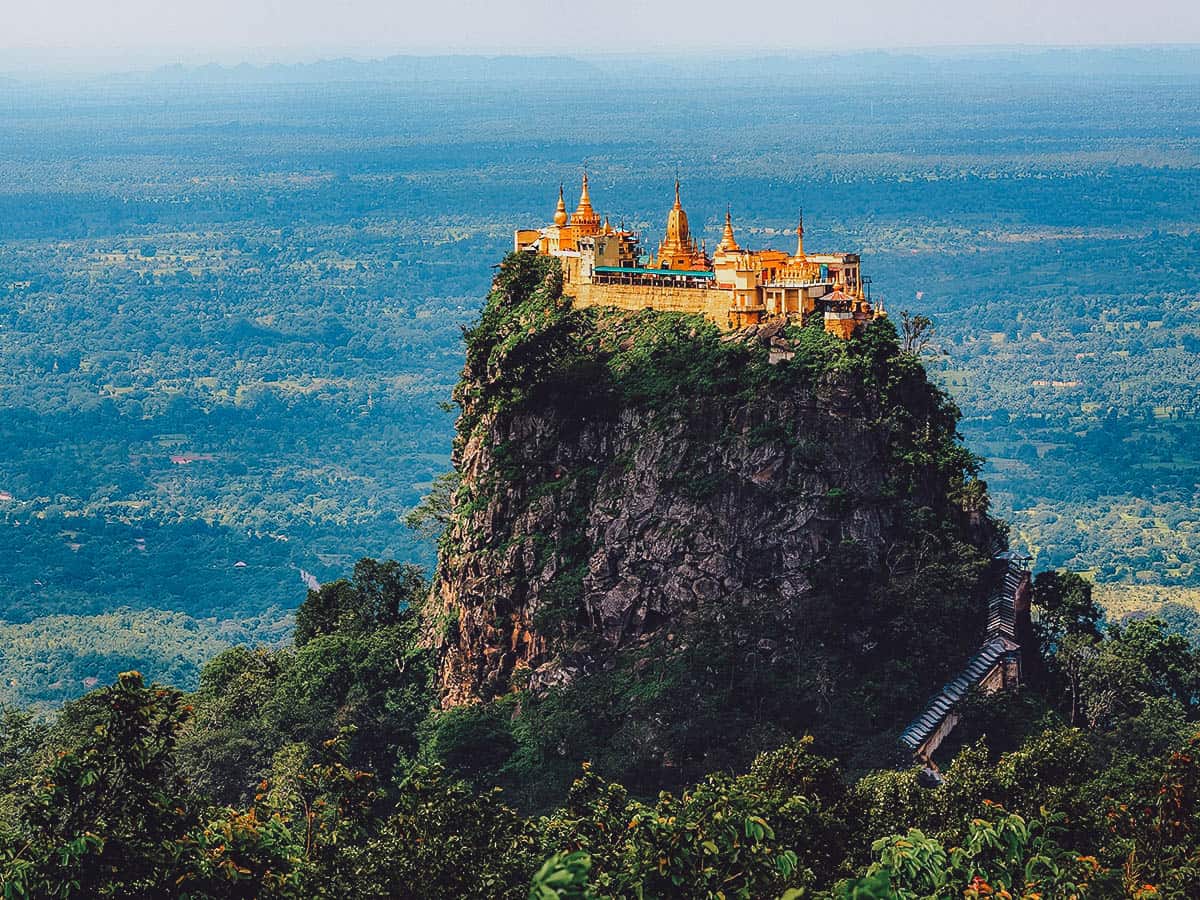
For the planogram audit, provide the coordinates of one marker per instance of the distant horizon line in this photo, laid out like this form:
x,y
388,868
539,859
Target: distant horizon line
x,y
271,57
121,61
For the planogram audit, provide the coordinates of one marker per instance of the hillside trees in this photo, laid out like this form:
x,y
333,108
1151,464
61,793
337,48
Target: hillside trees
x,y
264,784
98,816
375,596
1066,608
356,663
1002,855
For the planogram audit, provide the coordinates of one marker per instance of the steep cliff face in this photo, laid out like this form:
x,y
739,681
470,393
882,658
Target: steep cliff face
x,y
637,486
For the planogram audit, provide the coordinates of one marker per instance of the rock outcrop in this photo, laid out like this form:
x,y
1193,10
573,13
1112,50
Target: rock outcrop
x,y
623,473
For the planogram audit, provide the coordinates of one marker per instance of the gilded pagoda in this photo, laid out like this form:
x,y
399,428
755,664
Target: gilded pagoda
x,y
734,287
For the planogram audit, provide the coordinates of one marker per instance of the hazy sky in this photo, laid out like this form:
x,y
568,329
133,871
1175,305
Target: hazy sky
x,y
260,30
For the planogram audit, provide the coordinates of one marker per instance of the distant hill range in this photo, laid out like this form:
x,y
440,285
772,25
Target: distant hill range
x,y
464,69
1016,62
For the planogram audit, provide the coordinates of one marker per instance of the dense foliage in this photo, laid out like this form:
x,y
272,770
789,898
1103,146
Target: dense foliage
x,y
141,791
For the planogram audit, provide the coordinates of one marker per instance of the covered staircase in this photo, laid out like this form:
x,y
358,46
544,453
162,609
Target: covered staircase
x,y
996,666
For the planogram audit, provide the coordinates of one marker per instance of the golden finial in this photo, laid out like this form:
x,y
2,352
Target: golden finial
x,y
560,212
728,241
584,217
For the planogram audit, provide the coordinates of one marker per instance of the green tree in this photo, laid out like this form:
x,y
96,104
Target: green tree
x,y
918,332
1002,854
1065,607
564,876
373,678
1157,833
430,517
442,840
772,829
375,595
226,746
20,735
98,817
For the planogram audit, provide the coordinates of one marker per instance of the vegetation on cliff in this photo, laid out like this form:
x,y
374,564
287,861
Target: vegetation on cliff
x,y
672,548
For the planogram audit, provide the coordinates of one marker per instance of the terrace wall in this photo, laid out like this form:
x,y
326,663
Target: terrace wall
x,y
713,303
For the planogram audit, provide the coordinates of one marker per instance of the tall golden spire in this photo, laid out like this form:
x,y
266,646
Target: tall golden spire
x,y
728,241
560,212
679,249
800,235
677,224
586,219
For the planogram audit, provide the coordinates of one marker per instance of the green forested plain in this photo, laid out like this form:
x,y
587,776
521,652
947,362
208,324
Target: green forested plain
x,y
230,307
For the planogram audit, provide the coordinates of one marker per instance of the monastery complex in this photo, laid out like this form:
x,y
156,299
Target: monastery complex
x,y
734,287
